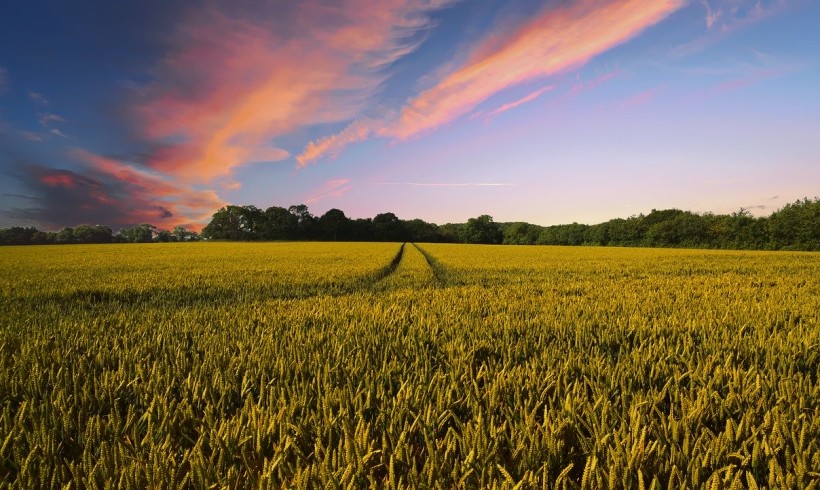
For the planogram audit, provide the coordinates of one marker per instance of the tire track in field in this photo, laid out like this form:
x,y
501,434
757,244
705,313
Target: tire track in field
x,y
195,296
390,268
439,271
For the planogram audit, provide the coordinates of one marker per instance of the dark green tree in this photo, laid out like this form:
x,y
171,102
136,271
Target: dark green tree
x,y
305,222
143,233
65,235
521,233
229,223
420,231
18,235
280,224
92,234
333,224
181,234
387,227
481,230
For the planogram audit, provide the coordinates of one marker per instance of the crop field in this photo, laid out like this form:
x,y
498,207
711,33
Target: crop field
x,y
387,365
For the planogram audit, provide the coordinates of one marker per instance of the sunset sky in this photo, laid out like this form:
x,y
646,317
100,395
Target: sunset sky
x,y
549,112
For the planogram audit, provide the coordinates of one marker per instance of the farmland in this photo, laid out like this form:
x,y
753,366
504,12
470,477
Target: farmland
x,y
419,366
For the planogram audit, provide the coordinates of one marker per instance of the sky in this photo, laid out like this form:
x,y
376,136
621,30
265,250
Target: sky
x,y
549,111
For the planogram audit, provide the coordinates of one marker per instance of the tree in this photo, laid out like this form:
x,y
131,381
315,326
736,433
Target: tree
x,y
420,231
304,221
228,223
180,234
42,238
163,236
333,222
521,233
572,234
143,233
361,229
65,235
92,234
280,224
18,235
252,222
450,232
796,226
387,227
481,230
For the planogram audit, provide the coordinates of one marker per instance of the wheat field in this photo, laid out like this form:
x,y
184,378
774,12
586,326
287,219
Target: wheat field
x,y
387,365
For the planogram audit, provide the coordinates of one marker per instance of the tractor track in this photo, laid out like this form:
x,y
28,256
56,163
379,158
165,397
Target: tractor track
x,y
439,271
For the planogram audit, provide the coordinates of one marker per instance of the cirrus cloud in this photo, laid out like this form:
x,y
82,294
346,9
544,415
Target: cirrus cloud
x,y
556,40
331,188
221,101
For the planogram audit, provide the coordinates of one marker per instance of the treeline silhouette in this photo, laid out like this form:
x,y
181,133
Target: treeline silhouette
x,y
142,233
796,226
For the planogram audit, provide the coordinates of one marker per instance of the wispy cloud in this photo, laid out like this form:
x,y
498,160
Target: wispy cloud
x,y
221,101
750,79
722,17
30,136
512,105
46,119
331,146
640,98
739,74
57,132
712,14
451,184
556,40
330,189
37,97
579,85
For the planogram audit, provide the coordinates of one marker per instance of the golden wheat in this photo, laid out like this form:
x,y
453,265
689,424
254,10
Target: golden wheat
x,y
438,366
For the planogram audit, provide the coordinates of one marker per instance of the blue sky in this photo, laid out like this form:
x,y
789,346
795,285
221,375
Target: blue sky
x,y
542,111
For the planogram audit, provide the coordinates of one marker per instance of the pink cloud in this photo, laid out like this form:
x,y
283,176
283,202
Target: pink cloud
x,y
556,40
582,86
58,178
330,189
451,184
232,84
359,130
145,196
512,105
637,99
712,14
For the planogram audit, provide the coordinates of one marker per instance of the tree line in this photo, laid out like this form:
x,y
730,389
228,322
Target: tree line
x,y
796,226
142,233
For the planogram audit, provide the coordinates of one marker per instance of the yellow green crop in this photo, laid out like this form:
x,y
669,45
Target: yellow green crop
x,y
318,365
